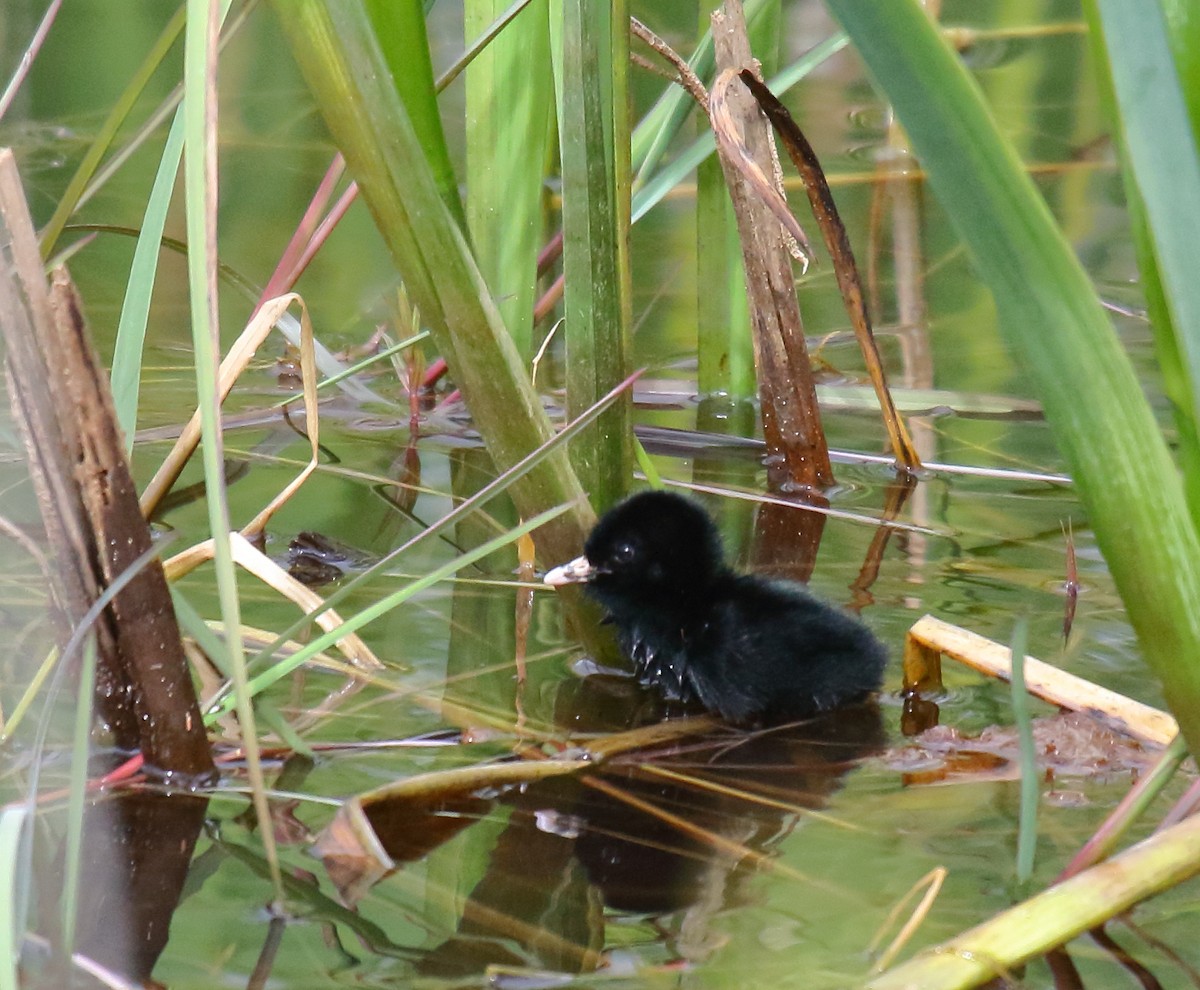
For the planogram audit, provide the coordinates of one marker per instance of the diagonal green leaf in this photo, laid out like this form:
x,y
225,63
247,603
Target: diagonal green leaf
x,y
400,30
386,604
116,116
509,89
336,49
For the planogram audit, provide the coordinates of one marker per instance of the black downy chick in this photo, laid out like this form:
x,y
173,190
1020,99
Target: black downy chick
x,y
748,649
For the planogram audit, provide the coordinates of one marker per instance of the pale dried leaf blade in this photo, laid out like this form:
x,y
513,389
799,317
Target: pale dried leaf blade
x,y
729,138
270,312
234,363
270,573
353,856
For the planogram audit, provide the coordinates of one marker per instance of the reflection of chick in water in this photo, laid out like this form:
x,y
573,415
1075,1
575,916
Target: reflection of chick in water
x,y
637,839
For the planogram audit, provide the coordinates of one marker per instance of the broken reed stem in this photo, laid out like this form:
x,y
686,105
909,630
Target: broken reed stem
x,y
791,418
89,505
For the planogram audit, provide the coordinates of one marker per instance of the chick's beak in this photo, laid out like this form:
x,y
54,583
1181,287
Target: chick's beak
x,y
575,571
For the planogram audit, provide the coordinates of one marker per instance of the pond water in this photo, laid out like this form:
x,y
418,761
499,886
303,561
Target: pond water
x,y
728,861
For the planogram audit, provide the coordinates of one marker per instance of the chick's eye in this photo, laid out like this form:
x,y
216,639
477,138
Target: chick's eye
x,y
624,553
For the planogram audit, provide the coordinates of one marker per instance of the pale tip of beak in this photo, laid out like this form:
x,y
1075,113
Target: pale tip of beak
x,y
576,571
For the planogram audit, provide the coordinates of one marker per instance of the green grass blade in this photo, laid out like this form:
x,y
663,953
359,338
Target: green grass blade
x,y
592,136
400,30
1030,778
336,49
14,891
1161,149
386,604
509,96
1053,321
108,130
139,287
200,187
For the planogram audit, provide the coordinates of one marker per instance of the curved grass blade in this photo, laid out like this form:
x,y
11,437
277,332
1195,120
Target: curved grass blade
x,y
1160,151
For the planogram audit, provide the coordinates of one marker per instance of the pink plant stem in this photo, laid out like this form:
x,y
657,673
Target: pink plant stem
x,y
435,373
321,235
550,253
281,279
1184,807
545,306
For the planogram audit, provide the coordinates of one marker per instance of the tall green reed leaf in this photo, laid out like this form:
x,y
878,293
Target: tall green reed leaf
x,y
400,30
1161,149
200,187
594,143
1176,382
509,98
1183,27
336,49
1052,319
